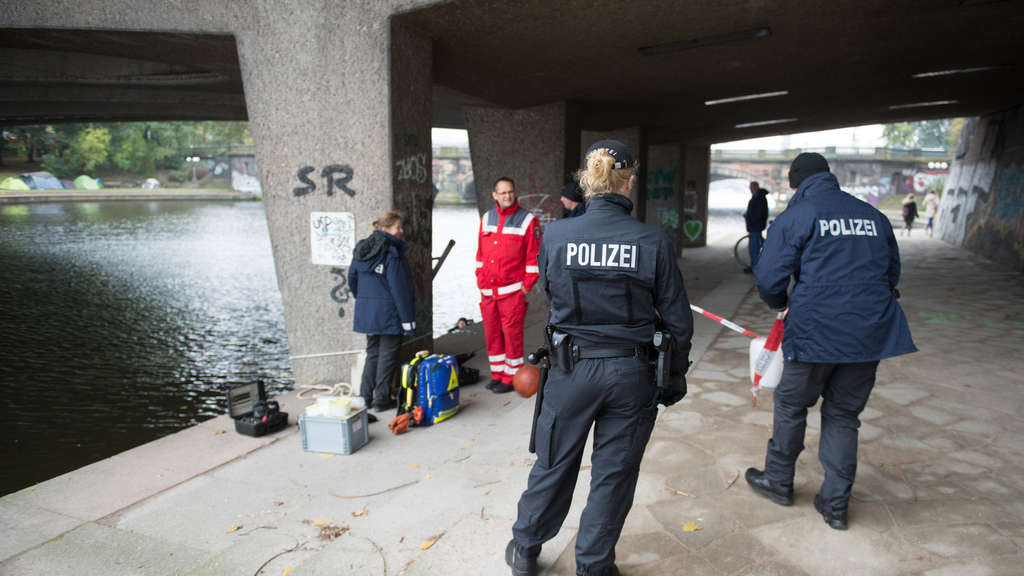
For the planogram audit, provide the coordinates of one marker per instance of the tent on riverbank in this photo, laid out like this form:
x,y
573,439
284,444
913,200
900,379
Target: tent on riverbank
x,y
41,181
83,182
12,183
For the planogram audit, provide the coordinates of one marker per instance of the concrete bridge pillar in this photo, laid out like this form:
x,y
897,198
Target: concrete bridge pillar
x,y
664,205
537,147
695,166
340,113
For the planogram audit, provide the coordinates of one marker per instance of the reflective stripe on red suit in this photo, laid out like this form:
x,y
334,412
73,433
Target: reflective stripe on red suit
x,y
506,268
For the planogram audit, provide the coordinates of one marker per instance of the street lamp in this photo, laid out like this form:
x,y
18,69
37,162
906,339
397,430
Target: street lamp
x,y
193,160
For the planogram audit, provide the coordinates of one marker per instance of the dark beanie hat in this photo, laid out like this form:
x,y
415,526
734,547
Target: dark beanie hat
x,y
804,165
573,192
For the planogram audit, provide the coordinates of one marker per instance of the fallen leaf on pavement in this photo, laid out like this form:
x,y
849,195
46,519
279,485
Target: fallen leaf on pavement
x,y
414,465
429,476
321,522
220,431
362,512
433,540
691,527
286,572
235,528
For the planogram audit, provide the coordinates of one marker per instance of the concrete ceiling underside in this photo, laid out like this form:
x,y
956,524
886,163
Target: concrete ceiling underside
x,y
641,63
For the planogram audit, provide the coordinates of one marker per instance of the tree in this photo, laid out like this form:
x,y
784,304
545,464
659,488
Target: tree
x,y
923,134
89,149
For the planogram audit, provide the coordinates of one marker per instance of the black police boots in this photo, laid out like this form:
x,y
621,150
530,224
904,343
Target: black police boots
x,y
834,518
521,565
760,484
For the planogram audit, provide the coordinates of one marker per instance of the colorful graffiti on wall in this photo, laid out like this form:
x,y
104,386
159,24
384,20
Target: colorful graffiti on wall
x,y
982,207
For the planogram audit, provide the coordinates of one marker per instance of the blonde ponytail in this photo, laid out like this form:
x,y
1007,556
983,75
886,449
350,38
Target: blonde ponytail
x,y
599,177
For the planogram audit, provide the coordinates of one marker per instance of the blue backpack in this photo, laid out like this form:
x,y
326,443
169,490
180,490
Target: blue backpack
x,y
430,382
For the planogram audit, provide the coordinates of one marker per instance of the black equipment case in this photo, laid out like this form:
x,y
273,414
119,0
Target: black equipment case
x,y
253,415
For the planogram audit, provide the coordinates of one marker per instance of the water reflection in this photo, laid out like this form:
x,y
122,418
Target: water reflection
x,y
123,322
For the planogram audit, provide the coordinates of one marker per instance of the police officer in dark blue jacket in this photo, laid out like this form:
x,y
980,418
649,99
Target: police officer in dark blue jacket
x,y
843,318
381,281
611,281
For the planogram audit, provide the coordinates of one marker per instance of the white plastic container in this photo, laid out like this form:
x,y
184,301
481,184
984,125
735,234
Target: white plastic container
x,y
773,373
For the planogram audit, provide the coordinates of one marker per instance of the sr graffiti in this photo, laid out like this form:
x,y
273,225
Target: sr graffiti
x,y
334,175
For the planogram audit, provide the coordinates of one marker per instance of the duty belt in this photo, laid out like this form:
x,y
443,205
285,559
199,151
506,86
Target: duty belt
x,y
638,351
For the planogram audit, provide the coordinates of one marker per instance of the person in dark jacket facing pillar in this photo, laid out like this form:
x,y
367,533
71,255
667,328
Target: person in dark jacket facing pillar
x,y
572,200
610,279
381,281
843,318
756,218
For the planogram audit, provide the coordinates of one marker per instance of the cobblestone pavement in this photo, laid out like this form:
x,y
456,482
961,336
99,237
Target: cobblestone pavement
x,y
939,485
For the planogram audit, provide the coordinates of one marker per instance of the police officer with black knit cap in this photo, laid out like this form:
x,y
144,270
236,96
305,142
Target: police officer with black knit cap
x,y
843,318
612,282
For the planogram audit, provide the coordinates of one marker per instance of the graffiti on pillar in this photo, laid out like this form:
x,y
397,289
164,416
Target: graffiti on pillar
x,y
413,168
693,229
332,237
334,176
340,292
668,219
661,183
690,198
539,202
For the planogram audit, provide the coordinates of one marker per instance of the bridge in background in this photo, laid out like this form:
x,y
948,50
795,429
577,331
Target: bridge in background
x,y
867,172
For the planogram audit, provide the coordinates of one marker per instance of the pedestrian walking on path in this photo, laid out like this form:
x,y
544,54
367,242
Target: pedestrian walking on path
x,y
931,208
909,213
843,318
609,279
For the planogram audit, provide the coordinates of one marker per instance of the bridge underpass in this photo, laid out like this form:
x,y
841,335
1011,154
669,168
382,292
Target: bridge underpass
x,y
341,99
356,87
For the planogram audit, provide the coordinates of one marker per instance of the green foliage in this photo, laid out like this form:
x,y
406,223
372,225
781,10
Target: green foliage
x,y
137,147
89,148
924,134
57,166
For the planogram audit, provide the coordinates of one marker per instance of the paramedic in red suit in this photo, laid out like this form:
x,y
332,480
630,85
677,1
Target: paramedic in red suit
x,y
506,269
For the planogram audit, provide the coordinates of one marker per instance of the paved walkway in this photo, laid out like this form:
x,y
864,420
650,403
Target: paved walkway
x,y
939,488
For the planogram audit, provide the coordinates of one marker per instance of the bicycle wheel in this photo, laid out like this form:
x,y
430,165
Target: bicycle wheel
x,y
742,251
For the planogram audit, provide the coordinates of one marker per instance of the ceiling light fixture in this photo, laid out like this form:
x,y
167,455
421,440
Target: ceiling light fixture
x,y
728,38
922,104
766,122
747,97
955,71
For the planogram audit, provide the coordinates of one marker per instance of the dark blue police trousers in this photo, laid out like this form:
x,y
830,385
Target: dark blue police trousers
x,y
845,389
619,397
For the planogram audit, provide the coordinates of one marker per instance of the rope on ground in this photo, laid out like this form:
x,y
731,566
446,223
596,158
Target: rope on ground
x,y
307,391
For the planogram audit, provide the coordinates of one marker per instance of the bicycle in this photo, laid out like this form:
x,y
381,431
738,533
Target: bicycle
x,y
741,251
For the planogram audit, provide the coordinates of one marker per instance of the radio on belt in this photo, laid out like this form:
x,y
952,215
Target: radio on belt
x,y
254,415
